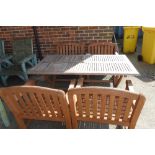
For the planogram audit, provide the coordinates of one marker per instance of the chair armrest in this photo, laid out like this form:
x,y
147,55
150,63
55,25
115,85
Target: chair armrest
x,y
80,82
30,83
116,53
72,84
129,85
26,59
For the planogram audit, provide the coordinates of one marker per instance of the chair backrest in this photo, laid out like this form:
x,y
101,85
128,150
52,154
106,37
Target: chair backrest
x,y
105,105
2,50
38,103
102,48
70,49
22,48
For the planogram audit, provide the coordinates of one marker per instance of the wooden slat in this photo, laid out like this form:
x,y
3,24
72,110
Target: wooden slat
x,y
80,83
95,105
70,49
21,102
76,50
110,107
79,104
103,102
87,105
119,108
49,104
42,105
35,103
128,108
72,84
29,105
105,49
67,50
57,105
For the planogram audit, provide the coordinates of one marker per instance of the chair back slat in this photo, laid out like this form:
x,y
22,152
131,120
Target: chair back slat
x,y
102,48
33,102
70,48
76,49
79,105
110,104
49,104
104,105
56,105
128,105
119,103
102,102
28,109
87,105
95,107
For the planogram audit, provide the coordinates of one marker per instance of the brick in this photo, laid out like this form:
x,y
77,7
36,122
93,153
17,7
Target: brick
x,y
93,27
89,31
99,31
50,36
103,34
102,27
98,38
84,34
83,27
73,28
107,30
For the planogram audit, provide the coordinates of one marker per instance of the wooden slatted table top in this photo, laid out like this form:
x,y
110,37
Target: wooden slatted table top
x,y
84,65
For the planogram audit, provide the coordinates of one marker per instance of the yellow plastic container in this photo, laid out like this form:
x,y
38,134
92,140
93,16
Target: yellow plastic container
x,y
130,39
148,45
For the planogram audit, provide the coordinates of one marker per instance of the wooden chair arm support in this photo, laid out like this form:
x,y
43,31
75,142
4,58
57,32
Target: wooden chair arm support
x,y
72,84
80,82
116,53
30,83
129,85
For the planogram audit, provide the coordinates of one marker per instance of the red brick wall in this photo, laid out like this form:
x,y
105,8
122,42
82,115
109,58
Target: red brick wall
x,y
50,36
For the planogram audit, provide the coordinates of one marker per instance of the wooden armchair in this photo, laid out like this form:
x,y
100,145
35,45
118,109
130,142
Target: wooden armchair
x,y
66,49
36,103
105,106
70,48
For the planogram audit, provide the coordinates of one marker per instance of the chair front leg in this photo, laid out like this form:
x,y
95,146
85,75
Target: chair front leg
x,y
34,60
23,66
117,79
